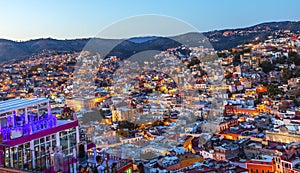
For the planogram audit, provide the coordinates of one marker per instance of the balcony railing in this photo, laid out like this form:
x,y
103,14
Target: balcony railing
x,y
33,126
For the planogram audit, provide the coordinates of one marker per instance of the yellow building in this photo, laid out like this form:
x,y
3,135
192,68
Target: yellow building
x,y
78,104
262,108
250,92
284,135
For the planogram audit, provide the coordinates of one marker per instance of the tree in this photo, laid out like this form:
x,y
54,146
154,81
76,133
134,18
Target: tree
x,y
127,125
297,72
247,50
295,60
30,90
267,66
280,60
236,59
273,90
222,54
293,54
193,62
286,74
296,102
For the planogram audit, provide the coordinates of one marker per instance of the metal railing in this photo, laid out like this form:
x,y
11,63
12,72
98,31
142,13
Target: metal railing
x,y
31,127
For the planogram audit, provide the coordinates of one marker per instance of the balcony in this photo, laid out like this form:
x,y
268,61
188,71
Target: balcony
x,y
33,126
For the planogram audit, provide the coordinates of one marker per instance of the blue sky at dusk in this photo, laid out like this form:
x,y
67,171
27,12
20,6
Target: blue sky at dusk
x,y
30,19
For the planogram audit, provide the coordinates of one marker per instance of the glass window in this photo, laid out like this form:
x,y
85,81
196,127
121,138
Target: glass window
x,y
36,142
72,139
27,145
64,142
72,130
62,133
43,148
129,170
53,143
3,122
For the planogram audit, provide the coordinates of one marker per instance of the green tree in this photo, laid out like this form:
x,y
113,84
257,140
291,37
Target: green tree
x,y
293,54
273,90
193,62
286,74
295,60
267,66
222,54
236,59
280,60
296,102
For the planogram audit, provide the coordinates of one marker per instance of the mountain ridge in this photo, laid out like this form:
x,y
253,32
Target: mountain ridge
x,y
219,39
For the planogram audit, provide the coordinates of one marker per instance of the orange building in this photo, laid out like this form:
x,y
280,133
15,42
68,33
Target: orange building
x,y
265,165
261,89
246,111
233,109
230,136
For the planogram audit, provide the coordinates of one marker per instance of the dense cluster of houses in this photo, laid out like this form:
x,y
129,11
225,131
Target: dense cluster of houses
x,y
238,111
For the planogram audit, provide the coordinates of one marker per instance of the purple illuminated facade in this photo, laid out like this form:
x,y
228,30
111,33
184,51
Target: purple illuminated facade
x,y
28,125
23,128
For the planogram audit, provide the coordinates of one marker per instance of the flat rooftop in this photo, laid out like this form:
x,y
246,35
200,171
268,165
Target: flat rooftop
x,y
13,104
